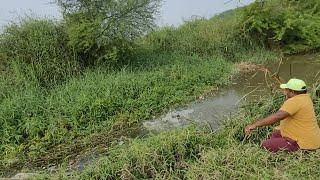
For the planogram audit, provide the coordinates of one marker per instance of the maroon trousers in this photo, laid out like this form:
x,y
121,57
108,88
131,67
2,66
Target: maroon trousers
x,y
276,143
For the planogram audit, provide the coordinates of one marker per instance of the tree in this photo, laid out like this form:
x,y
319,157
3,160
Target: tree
x,y
103,30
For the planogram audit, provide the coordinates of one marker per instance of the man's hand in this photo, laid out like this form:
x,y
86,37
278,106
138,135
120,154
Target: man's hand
x,y
279,115
249,128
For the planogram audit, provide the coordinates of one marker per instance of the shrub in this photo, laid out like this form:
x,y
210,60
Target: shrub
x,y
36,49
103,31
293,25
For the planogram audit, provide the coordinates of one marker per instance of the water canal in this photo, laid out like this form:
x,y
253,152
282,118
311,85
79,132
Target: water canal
x,y
249,86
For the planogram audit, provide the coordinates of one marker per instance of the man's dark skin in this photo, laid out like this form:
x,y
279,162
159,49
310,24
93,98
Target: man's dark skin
x,y
274,118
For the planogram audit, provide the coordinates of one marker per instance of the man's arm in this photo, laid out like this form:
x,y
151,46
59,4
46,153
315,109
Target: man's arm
x,y
280,115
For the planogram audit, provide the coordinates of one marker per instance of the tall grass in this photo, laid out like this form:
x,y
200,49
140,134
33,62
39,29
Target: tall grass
x,y
220,35
192,153
36,50
34,121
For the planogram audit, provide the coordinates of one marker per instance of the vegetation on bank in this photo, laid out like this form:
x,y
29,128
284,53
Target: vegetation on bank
x,y
36,120
193,153
290,25
72,85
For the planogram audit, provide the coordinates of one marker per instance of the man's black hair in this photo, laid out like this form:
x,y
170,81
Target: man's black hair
x,y
301,92
304,91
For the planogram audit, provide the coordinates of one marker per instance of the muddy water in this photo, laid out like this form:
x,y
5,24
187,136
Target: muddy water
x,y
250,86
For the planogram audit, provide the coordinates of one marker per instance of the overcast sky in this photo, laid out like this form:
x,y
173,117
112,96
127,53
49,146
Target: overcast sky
x,y
173,12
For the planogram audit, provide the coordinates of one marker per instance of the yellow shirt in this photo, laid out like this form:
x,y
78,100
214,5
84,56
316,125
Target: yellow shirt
x,y
301,125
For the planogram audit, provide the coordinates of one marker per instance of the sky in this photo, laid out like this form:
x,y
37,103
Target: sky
x,y
173,12
10,10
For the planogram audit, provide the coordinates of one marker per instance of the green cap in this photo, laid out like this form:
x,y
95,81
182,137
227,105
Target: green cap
x,y
295,84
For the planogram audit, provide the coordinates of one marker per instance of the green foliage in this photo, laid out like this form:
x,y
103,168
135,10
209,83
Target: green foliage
x,y
37,50
294,25
219,35
34,121
154,157
103,31
251,162
192,153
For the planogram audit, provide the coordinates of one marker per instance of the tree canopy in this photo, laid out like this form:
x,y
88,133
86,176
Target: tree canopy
x,y
102,30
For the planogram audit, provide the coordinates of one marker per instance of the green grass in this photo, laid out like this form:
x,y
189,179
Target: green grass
x,y
35,121
193,153
35,49
44,126
220,35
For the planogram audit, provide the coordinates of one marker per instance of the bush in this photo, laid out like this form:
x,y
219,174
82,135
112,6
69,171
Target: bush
x,y
104,31
293,25
36,49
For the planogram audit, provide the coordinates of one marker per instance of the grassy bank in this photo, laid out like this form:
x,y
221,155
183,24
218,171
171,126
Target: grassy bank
x,y
193,153
100,106
102,100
